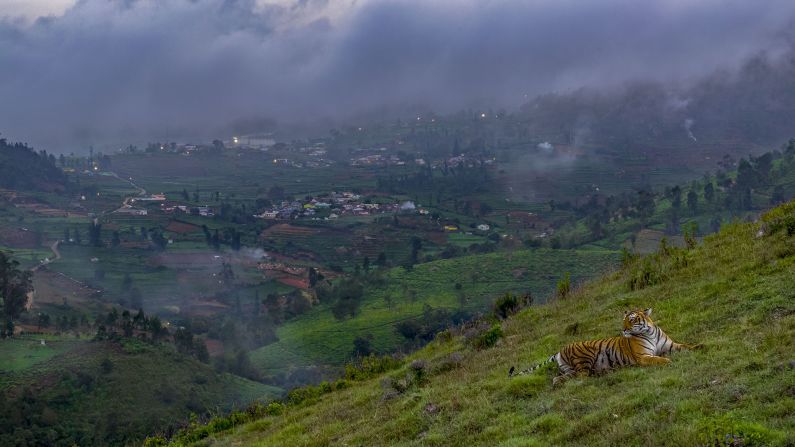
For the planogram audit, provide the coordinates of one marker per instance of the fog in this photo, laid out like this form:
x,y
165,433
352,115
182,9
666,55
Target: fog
x,y
119,71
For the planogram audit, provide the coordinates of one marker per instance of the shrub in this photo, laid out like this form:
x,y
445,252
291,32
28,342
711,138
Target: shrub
x,y
489,338
643,274
506,305
303,394
689,231
654,269
420,370
449,363
371,366
781,218
274,409
564,286
156,441
627,257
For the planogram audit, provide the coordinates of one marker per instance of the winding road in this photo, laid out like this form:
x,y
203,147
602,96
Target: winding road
x,y
54,246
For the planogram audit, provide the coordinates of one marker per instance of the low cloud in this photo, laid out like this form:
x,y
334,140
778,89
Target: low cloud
x,y
117,71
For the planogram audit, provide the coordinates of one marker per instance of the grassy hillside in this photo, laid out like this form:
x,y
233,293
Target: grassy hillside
x,y
71,391
469,283
734,294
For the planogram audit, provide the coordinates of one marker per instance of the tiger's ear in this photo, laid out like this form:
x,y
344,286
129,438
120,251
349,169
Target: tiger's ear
x,y
626,312
647,311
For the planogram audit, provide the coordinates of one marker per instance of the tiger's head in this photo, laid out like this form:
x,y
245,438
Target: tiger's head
x,y
637,322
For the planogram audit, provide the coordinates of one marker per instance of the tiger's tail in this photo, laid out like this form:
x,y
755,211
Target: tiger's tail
x,y
529,370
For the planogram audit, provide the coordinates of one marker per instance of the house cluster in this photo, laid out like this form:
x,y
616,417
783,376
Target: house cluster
x,y
332,207
377,160
171,208
460,160
151,198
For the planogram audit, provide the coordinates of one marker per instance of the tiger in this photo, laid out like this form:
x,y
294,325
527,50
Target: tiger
x,y
640,343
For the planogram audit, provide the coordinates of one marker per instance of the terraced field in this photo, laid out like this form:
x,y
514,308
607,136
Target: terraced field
x,y
318,338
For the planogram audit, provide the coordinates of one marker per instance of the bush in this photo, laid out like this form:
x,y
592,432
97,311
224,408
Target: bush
x,y
489,338
274,409
157,441
506,305
627,257
781,218
654,269
303,394
371,366
449,363
564,286
420,370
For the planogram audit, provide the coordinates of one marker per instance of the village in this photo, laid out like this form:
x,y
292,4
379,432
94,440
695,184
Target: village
x,y
333,206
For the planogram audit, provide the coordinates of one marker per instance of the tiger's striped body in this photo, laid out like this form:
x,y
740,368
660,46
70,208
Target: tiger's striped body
x,y
642,343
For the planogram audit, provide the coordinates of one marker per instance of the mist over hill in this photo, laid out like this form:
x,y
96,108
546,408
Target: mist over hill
x,y
753,104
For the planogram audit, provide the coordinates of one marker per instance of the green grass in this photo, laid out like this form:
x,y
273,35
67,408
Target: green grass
x,y
734,294
318,338
19,354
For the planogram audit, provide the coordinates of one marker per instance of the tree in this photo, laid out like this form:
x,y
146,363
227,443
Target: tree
x,y
95,234
314,276
709,192
362,346
216,240
218,146
381,260
763,164
200,351
746,175
116,241
692,201
183,339
594,225
156,328
416,246
790,149
676,197
43,321
15,284
645,205
159,240
236,240
185,195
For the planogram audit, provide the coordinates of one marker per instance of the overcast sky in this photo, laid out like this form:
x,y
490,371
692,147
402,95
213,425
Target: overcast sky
x,y
83,72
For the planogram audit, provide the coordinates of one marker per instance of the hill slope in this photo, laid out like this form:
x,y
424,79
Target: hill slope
x,y
317,338
74,391
735,294
24,169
